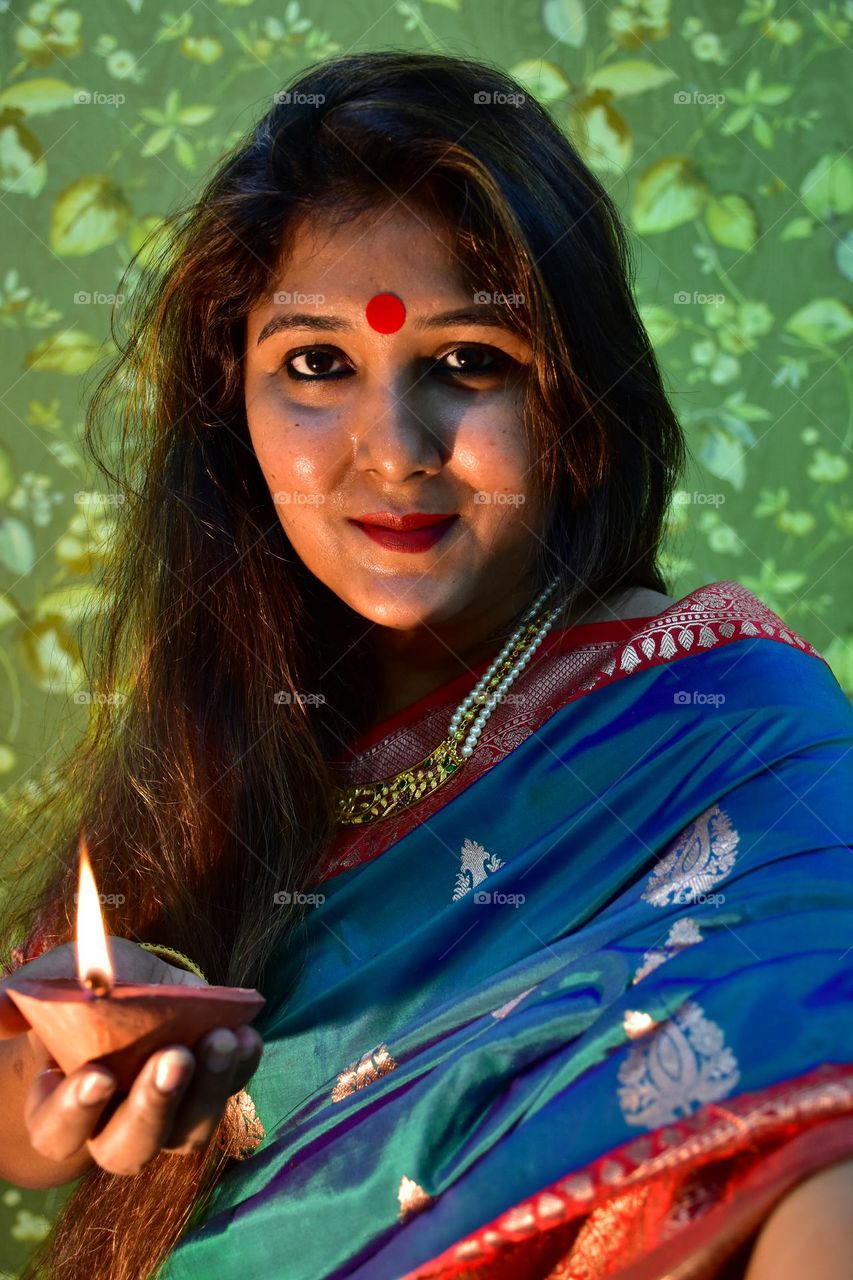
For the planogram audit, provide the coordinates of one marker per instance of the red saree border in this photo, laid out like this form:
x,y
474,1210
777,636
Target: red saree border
x,y
642,1209
718,613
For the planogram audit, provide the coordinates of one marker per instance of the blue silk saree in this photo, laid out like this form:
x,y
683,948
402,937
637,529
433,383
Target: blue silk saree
x,y
586,1010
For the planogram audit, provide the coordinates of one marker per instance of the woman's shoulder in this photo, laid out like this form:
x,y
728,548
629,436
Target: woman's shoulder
x,y
631,602
762,656
641,602
779,665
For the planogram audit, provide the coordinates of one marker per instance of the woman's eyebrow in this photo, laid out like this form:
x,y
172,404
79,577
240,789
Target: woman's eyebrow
x,y
486,316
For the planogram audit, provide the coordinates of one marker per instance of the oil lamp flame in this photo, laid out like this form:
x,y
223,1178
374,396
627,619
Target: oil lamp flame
x,y
94,968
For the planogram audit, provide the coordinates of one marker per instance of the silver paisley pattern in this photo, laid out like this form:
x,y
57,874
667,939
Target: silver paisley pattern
x,y
702,856
682,1065
684,933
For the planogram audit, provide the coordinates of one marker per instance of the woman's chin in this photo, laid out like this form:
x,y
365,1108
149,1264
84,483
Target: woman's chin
x,y
406,602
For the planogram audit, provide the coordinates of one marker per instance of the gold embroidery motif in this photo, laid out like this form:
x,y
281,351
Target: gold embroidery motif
x,y
413,1199
636,1023
550,1206
578,1187
684,1064
702,856
475,865
370,1066
247,1132
469,1250
604,1236
520,1221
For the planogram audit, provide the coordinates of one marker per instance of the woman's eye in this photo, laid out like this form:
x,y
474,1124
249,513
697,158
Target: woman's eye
x,y
466,367
464,362
317,359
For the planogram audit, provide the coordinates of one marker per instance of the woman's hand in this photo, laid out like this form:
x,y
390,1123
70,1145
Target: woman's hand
x,y
175,1102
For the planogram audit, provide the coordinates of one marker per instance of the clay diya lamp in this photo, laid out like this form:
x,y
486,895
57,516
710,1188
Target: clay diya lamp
x,y
93,1018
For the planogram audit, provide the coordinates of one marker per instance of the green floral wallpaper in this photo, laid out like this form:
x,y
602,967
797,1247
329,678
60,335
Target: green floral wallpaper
x,y
719,128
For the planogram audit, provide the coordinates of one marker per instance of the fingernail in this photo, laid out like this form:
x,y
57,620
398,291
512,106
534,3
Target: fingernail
x,y
51,1071
220,1052
245,1051
172,1070
94,1088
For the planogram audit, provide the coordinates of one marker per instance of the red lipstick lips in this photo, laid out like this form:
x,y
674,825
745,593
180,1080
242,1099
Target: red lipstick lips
x,y
417,531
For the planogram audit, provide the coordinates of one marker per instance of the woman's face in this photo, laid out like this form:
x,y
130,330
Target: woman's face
x,y
346,420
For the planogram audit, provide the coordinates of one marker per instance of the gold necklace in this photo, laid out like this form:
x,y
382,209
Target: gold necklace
x,y
368,802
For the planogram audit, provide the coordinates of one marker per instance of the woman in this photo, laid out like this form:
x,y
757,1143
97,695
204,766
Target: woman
x,y
542,871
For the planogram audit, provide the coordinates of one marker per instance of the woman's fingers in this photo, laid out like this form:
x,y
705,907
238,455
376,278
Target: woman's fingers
x,y
217,1077
174,1104
62,1111
141,1123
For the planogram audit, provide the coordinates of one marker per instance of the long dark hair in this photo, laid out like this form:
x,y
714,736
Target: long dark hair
x,y
200,793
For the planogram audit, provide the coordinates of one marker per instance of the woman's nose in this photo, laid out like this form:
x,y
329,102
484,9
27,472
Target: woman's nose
x,y
395,436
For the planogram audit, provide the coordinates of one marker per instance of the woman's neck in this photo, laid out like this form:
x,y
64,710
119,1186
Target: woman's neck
x,y
413,664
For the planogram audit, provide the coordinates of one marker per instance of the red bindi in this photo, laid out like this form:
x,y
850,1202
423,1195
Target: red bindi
x,y
385,313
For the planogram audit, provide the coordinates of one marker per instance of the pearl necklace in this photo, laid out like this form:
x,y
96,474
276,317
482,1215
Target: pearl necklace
x,y
370,801
526,639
